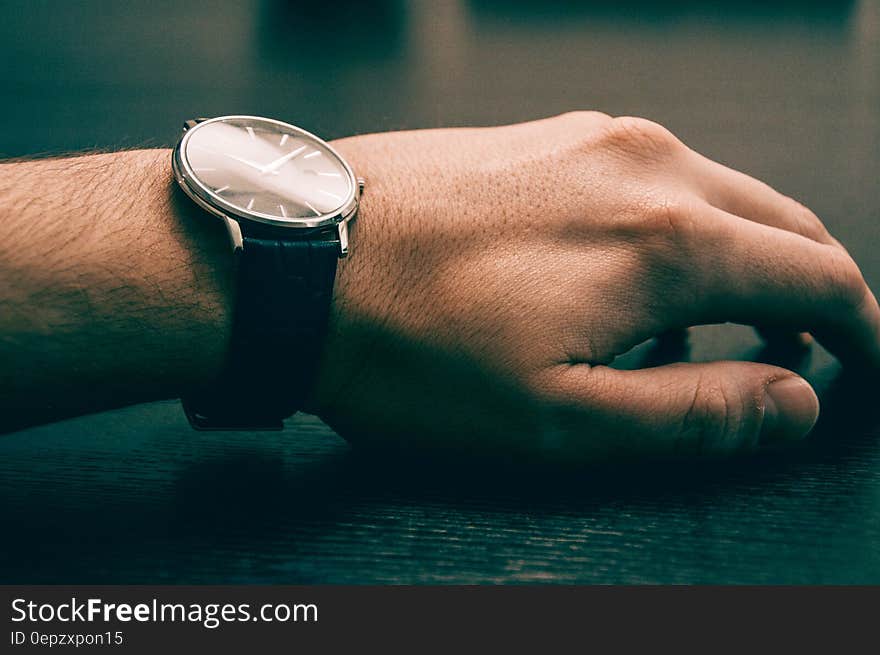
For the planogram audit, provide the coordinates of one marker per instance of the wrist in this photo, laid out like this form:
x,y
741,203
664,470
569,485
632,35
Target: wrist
x,y
351,317
260,177
197,270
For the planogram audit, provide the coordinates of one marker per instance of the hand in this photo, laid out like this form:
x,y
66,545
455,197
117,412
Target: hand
x,y
496,272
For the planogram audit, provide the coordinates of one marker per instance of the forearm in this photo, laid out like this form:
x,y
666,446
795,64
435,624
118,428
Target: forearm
x,y
113,288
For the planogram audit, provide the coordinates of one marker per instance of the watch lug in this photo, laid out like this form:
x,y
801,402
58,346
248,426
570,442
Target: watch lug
x,y
192,122
342,231
361,182
234,230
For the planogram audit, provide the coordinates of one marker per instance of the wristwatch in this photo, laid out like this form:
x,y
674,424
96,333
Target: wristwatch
x,y
286,198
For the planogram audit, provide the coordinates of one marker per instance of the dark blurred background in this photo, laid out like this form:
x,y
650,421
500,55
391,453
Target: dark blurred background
x,y
765,86
787,91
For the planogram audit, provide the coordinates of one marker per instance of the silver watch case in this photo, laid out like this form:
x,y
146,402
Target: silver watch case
x,y
232,215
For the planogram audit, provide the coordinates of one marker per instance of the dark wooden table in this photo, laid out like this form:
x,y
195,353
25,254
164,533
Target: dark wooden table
x,y
789,93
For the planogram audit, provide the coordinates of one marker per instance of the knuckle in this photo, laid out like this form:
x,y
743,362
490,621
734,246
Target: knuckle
x,y
717,418
584,118
809,224
667,250
641,136
843,280
807,215
673,219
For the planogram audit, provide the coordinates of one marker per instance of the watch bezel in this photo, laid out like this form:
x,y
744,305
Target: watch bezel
x,y
207,199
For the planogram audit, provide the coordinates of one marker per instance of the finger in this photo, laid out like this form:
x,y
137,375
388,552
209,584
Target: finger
x,y
743,195
750,273
714,408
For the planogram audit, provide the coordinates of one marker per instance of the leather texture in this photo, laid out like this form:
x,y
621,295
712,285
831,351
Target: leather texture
x,y
283,294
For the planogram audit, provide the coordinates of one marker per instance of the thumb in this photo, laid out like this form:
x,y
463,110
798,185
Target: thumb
x,y
707,408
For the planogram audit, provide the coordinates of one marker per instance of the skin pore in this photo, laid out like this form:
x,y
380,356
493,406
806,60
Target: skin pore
x,y
494,273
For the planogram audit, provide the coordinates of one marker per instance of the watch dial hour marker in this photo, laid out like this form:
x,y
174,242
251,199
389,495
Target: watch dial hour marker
x,y
317,153
221,189
309,205
250,204
331,174
284,139
250,131
204,169
283,211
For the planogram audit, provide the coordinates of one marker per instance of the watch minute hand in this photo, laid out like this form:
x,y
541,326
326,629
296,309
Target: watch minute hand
x,y
278,163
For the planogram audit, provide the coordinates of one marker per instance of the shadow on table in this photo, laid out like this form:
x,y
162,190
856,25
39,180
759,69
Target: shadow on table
x,y
257,505
255,491
266,502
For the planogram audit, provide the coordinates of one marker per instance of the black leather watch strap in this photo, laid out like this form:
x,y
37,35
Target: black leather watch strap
x,y
283,295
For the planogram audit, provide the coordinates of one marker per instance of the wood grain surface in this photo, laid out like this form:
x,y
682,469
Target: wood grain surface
x,y
789,93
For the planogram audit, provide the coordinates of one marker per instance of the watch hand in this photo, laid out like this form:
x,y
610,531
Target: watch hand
x,y
246,162
278,163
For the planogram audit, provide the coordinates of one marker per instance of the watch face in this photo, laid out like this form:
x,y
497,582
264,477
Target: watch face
x,y
265,169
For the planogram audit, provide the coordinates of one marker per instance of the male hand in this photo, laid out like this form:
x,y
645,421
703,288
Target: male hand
x,y
495,273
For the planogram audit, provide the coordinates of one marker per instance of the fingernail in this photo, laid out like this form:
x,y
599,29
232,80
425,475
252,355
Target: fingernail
x,y
790,410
